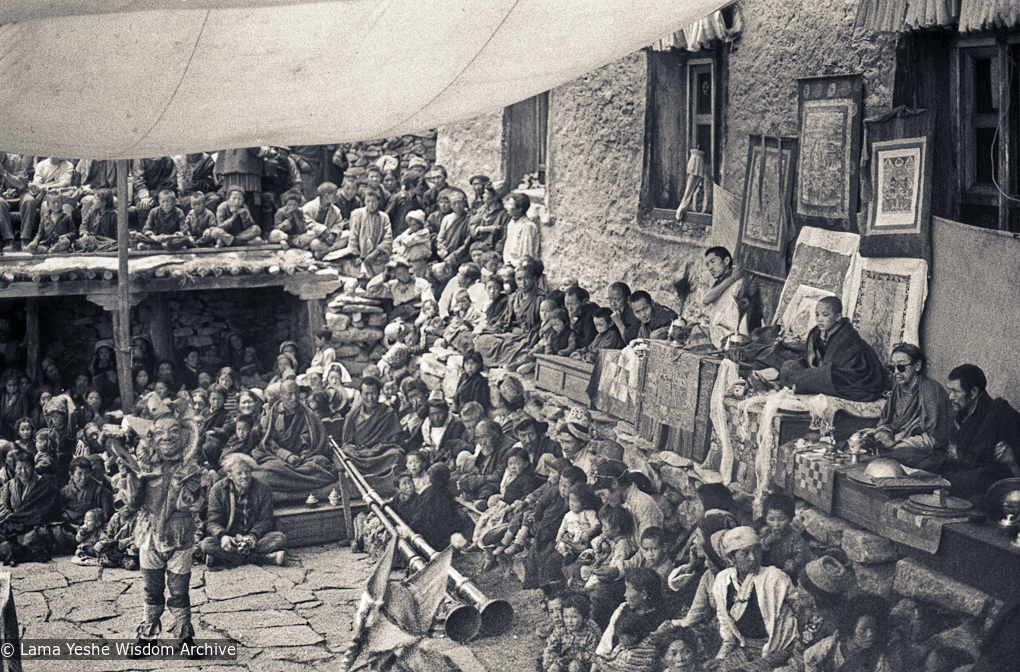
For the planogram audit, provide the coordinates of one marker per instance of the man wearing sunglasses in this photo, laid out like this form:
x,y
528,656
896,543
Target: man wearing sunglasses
x,y
915,424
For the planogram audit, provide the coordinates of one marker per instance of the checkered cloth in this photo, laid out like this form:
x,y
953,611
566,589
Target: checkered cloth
x,y
813,479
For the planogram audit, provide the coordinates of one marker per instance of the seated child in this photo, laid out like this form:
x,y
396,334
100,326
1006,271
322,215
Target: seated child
x,y
116,545
579,525
201,219
540,513
652,553
571,646
605,559
26,435
46,452
244,439
463,320
562,339
164,228
416,466
518,479
289,225
495,289
233,218
784,546
415,243
56,228
88,537
525,363
88,441
407,494
429,324
608,337
473,386
99,227
837,361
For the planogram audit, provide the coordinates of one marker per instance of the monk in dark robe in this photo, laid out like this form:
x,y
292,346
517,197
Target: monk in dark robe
x,y
435,514
27,501
372,437
293,457
520,325
837,361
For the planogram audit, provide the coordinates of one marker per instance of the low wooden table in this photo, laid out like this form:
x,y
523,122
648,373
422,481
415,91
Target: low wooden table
x,y
307,526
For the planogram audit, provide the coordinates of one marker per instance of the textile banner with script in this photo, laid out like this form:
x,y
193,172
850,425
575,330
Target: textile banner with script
x,y
671,385
830,146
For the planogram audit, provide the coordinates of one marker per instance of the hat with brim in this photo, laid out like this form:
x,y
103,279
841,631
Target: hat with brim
x,y
104,343
484,179
738,539
578,424
826,574
512,390
286,343
398,262
416,215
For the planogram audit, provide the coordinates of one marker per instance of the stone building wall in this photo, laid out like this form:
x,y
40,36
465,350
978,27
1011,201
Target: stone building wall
x,y
782,41
471,147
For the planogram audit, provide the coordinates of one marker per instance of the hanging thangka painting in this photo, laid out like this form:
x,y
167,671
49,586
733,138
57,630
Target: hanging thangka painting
x,y
766,224
830,144
897,188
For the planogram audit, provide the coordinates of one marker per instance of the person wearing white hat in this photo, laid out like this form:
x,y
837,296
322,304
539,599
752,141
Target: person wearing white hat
x,y
756,622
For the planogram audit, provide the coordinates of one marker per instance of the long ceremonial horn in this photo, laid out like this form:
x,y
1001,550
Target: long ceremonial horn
x,y
496,615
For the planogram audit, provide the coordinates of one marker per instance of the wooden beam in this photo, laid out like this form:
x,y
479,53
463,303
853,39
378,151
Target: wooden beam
x,y
122,321
32,337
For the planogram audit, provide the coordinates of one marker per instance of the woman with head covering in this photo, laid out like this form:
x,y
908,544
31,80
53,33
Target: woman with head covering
x,y
756,621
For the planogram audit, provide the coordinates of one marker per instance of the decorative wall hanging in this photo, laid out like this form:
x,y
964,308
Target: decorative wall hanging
x,y
830,144
766,225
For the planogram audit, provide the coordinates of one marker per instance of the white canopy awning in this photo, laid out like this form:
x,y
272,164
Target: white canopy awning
x,y
140,78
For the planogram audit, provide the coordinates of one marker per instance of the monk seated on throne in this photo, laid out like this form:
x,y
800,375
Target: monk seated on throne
x,y
837,362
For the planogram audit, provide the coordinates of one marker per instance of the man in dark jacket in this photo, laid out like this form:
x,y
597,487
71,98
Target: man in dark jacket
x,y
987,434
240,523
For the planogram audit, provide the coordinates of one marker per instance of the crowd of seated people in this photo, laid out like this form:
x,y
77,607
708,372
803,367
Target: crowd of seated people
x,y
626,586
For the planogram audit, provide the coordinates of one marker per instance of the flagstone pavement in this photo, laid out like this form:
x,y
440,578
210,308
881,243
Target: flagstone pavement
x,y
287,619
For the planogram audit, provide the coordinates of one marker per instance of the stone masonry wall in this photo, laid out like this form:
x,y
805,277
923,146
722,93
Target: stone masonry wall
x,y
596,148
361,154
470,147
782,41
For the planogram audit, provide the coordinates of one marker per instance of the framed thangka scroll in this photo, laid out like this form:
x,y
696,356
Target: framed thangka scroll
x,y
766,222
830,148
897,188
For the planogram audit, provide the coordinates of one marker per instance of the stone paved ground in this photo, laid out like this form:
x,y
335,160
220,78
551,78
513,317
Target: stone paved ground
x,y
287,619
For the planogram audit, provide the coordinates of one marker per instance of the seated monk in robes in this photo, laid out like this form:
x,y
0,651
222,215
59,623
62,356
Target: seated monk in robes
x,y
27,502
372,437
294,458
518,329
837,361
732,305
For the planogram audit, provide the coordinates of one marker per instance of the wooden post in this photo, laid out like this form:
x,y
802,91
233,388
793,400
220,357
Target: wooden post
x,y
32,336
122,321
160,330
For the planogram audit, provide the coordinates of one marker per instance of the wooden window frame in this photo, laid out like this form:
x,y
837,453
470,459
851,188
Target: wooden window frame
x,y
961,94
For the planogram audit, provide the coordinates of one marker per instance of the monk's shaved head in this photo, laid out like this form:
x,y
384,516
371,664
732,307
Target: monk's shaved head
x,y
834,304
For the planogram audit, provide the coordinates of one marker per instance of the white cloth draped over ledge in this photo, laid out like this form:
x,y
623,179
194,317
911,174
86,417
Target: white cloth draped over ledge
x,y
118,79
703,33
892,16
